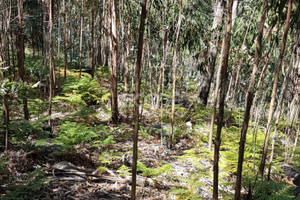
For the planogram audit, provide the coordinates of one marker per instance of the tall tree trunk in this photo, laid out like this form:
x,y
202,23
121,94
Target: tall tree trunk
x,y
44,44
126,75
5,96
65,38
138,73
234,11
277,116
249,100
57,83
174,66
261,77
294,108
113,59
224,75
80,42
164,56
51,60
205,84
92,39
271,110
13,54
20,55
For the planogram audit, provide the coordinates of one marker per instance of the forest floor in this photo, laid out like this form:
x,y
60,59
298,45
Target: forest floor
x,y
54,168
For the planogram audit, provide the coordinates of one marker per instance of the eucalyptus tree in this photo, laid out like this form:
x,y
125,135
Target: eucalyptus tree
x,y
80,37
164,50
112,4
138,72
223,80
249,100
65,14
20,56
174,66
274,90
92,39
204,87
3,65
51,59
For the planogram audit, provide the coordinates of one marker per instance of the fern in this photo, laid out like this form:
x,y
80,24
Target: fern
x,y
71,133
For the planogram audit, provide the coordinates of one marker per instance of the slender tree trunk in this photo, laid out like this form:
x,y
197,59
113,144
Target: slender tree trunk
x,y
205,84
296,141
262,75
294,108
92,39
271,110
277,116
80,42
58,47
174,66
51,60
164,56
224,75
234,11
138,73
113,60
249,100
44,45
20,55
126,75
5,97
13,54
65,38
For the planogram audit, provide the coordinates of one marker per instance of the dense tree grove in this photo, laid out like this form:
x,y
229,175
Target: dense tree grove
x,y
89,87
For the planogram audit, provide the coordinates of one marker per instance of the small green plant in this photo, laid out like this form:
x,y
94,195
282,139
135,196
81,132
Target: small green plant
x,y
270,190
148,172
124,171
71,133
32,187
83,92
106,158
21,130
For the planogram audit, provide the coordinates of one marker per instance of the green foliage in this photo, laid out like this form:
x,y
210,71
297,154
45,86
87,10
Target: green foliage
x,y
148,172
270,190
145,132
83,92
34,67
32,187
106,142
37,106
20,130
103,72
71,133
189,192
124,171
106,158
